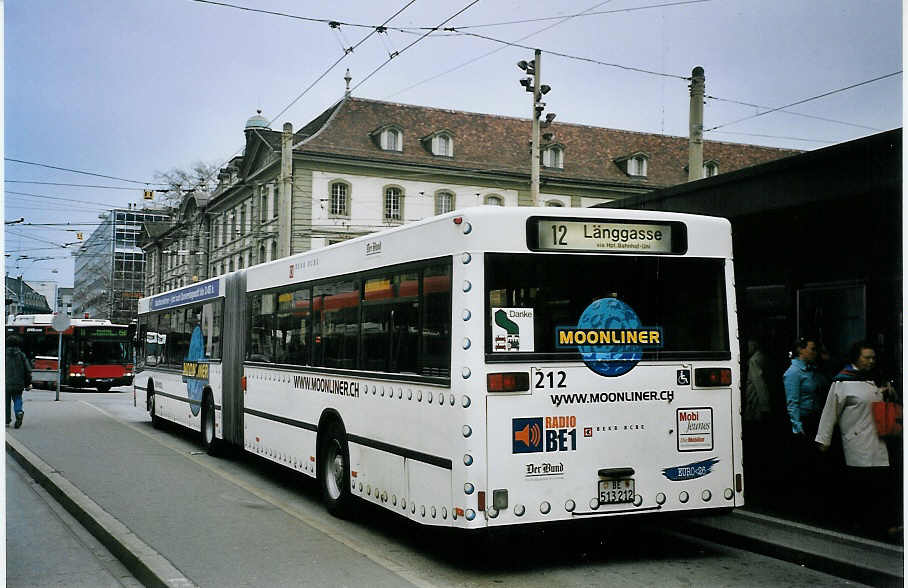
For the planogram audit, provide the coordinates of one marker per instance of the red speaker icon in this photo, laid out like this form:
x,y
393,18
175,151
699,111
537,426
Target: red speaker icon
x,y
530,436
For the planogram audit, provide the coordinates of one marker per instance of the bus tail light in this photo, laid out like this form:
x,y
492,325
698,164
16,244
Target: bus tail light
x,y
508,382
712,377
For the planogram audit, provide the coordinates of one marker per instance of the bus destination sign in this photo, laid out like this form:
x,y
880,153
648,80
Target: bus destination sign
x,y
554,234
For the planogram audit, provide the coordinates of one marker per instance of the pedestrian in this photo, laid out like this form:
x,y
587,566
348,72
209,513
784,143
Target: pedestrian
x,y
756,389
18,377
802,385
850,406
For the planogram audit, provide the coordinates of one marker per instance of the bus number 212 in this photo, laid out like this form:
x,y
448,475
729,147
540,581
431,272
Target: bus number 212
x,y
552,377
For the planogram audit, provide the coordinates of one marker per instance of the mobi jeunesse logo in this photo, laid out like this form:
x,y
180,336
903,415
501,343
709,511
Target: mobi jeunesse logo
x,y
610,337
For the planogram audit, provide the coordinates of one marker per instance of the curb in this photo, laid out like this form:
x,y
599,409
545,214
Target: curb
x,y
147,565
850,569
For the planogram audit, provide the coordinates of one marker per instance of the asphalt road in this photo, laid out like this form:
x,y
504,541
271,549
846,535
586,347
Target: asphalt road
x,y
241,521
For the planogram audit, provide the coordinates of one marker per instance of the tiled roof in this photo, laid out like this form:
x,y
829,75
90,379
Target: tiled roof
x,y
486,142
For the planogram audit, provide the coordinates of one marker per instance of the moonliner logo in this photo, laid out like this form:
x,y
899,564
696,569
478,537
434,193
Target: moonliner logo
x,y
610,337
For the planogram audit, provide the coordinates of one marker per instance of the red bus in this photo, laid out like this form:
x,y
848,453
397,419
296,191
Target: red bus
x,y
96,352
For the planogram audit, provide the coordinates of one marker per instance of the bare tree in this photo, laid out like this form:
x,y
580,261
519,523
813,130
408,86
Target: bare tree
x,y
200,177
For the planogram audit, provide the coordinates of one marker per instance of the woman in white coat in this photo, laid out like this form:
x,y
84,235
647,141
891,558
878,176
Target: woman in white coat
x,y
849,405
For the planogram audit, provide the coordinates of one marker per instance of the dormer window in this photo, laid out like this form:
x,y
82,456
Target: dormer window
x,y
392,139
634,165
443,145
553,157
439,143
710,169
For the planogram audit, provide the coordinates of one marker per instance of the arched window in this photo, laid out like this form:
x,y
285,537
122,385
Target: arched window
x,y
553,157
339,199
394,202
494,200
230,266
273,250
444,202
262,253
710,168
239,262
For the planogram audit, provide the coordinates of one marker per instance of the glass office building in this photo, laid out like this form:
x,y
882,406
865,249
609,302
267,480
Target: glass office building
x,y
110,266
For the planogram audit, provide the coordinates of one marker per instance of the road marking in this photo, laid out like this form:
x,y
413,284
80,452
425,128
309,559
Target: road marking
x,y
372,554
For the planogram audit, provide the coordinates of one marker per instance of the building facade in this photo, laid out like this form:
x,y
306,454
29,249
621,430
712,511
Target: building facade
x,y
23,299
364,165
110,266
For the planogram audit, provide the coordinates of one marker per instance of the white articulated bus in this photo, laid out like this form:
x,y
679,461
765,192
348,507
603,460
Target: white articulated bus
x,y
490,366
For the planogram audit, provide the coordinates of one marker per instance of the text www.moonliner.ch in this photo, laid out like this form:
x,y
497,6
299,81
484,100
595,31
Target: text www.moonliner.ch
x,y
327,385
603,397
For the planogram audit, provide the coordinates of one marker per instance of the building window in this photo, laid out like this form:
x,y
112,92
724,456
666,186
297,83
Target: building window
x,y
274,202
494,200
239,262
443,144
710,168
554,203
242,219
636,165
273,250
553,157
393,204
444,202
263,205
339,207
392,140
262,253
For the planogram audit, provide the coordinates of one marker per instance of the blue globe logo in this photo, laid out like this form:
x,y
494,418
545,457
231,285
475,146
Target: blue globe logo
x,y
195,386
610,360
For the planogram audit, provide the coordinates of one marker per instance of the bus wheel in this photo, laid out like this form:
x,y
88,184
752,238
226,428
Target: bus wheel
x,y
103,388
155,419
209,439
334,470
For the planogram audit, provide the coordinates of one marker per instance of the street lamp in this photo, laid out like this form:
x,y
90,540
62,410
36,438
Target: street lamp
x,y
532,84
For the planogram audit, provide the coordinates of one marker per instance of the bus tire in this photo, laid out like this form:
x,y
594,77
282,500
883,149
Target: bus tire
x,y
334,470
155,419
104,388
209,438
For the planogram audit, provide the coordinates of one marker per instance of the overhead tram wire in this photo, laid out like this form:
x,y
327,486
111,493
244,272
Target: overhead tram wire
x,y
818,96
310,86
82,172
576,58
492,52
103,205
584,13
427,33
69,185
832,120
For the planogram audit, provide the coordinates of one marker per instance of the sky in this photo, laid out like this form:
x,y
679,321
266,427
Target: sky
x,y
131,88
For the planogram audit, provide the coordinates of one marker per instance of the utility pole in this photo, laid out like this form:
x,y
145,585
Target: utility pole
x,y
695,141
534,85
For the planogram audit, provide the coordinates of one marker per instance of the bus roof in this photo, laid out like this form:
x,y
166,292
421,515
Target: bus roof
x,y
475,229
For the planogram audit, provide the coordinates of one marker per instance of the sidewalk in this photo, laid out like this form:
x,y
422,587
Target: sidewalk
x,y
54,434
45,546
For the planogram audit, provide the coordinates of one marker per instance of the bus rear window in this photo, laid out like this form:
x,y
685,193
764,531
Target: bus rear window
x,y
535,303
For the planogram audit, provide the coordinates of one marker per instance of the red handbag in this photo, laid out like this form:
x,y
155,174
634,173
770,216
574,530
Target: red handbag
x,y
888,418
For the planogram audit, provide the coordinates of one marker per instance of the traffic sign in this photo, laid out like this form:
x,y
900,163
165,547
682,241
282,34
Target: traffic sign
x,y
60,322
